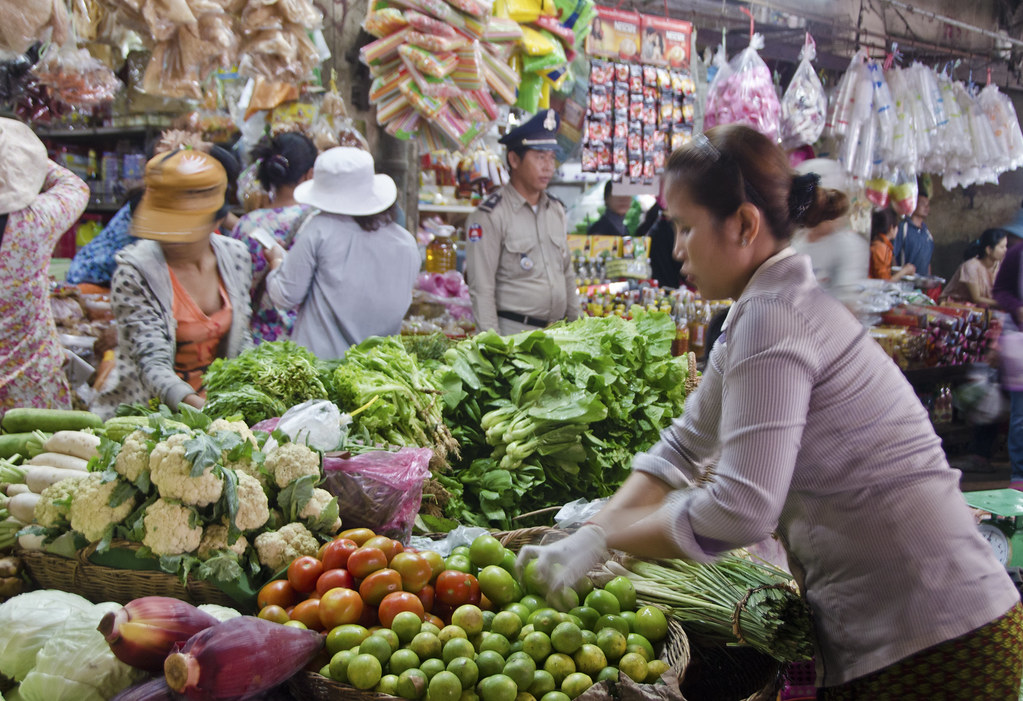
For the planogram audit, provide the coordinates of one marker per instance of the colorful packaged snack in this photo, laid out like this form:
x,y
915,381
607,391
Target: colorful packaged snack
x,y
598,100
635,78
438,65
502,29
650,76
383,50
650,111
468,73
621,97
384,22
486,102
559,31
621,73
434,43
601,72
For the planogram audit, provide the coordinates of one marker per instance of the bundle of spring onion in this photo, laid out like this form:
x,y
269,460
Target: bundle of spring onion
x,y
733,600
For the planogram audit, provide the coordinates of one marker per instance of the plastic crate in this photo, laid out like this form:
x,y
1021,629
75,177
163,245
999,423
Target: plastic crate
x,y
799,682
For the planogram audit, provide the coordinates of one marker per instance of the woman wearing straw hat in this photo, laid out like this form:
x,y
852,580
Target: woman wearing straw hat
x,y
39,201
181,294
351,269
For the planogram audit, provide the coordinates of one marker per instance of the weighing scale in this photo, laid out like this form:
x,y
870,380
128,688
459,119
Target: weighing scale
x,y
1003,529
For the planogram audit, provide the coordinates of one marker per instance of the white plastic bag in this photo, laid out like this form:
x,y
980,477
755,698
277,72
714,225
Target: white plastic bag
x,y
804,106
317,423
747,95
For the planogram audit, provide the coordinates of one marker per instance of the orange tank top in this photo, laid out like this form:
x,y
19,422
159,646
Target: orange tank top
x,y
199,335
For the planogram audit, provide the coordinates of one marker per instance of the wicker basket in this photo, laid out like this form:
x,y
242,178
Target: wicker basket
x,y
311,686
98,583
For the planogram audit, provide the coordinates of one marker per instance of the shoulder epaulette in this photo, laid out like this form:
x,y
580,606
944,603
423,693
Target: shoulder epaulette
x,y
557,199
491,202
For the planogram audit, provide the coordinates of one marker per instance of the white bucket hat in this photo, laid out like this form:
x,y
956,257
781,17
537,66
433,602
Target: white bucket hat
x,y
23,165
344,182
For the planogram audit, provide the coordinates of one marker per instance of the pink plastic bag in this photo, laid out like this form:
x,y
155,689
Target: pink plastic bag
x,y
381,490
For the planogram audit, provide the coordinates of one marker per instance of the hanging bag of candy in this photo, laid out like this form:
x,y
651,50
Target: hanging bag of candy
x,y
747,96
804,106
715,110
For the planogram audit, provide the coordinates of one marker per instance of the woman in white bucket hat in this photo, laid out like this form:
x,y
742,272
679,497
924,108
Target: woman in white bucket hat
x,y
351,269
39,201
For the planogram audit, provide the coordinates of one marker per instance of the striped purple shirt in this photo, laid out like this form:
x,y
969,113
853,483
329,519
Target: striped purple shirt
x,y
814,432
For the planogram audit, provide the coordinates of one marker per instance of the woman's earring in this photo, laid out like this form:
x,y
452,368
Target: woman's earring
x,y
744,243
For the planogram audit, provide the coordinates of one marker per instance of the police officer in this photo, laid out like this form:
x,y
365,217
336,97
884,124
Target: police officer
x,y
518,264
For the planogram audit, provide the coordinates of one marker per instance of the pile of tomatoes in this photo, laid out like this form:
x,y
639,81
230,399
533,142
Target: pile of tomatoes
x,y
364,578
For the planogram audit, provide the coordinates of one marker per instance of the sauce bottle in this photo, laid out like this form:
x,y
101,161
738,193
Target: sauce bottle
x,y
441,255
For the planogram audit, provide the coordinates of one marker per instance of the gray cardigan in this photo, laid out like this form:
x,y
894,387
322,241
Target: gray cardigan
x,y
142,299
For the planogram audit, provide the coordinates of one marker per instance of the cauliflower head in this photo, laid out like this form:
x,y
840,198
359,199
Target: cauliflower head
x,y
239,427
290,461
278,548
245,464
214,538
169,530
133,459
54,505
253,506
90,513
314,508
171,472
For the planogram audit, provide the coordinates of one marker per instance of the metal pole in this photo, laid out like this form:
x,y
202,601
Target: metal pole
x,y
954,22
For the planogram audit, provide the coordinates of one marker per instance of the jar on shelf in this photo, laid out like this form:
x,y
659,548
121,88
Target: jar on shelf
x,y
441,255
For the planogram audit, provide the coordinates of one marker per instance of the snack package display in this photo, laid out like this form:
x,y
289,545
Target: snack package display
x,y
746,95
804,105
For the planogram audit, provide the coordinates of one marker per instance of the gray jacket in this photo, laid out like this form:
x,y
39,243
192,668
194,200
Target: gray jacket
x,y
142,299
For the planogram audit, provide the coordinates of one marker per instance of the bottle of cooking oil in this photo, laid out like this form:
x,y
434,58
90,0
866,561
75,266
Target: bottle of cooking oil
x,y
441,255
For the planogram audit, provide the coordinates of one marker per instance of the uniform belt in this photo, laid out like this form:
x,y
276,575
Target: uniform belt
x,y
523,319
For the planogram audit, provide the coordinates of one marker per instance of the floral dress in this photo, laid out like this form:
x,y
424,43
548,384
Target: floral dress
x,y
31,356
268,322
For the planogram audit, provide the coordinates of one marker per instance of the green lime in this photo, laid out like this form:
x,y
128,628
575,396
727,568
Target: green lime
x,y
509,561
603,601
651,623
444,686
623,590
532,602
519,609
407,625
432,667
325,671
537,645
390,636
490,662
532,580
545,620
583,587
507,623
560,666
412,684
630,616
497,643
469,695
460,550
345,637
634,665
377,646
542,683
488,618
486,550
498,585
364,670
526,630
476,640
469,618
566,638
457,647
608,674
339,665
589,659
575,684
564,599
459,563
520,670
402,660
589,637
450,632
587,615
654,670
426,645
498,687
524,696
638,640
612,620
428,627
612,643
388,684
555,696
467,671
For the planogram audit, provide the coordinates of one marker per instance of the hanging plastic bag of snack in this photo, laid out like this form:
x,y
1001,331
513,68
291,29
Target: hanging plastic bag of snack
x,y
804,106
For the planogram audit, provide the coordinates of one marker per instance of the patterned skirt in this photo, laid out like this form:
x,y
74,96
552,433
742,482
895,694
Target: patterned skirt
x,y
985,664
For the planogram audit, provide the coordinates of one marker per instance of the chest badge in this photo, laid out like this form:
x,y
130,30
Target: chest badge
x,y
526,262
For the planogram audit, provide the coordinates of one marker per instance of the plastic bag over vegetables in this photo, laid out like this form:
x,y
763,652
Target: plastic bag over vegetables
x,y
747,96
77,78
804,106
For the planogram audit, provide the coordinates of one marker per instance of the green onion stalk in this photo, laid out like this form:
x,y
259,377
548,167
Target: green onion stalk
x,y
735,600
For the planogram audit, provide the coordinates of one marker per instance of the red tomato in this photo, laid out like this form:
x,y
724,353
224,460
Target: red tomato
x,y
455,588
436,563
426,595
278,592
396,602
435,620
359,535
308,612
334,578
378,585
414,569
303,573
339,606
335,553
366,561
390,547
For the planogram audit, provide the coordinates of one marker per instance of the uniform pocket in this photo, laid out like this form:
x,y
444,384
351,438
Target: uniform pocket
x,y
520,241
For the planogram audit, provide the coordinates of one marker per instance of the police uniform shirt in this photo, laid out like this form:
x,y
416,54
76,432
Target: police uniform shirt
x,y
517,260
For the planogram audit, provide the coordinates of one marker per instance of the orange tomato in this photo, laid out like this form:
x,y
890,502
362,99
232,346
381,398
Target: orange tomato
x,y
359,535
308,612
279,592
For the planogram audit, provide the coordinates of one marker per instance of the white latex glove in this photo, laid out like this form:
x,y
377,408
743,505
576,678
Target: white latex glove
x,y
563,563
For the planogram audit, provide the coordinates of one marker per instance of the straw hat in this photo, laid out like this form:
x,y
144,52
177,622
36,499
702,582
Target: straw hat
x,y
23,165
184,189
344,182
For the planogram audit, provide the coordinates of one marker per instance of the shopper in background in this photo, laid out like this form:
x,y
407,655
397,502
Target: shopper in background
x,y
39,201
351,270
612,221
518,265
1008,293
180,294
883,225
808,429
913,242
283,161
974,279
663,266
838,255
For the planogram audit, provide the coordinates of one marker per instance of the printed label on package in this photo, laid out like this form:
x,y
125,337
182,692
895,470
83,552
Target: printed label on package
x,y
666,41
614,34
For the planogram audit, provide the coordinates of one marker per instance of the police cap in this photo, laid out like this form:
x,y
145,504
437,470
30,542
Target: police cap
x,y
539,132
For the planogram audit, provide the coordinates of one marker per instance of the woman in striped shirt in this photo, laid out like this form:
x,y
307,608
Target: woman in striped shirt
x,y
803,427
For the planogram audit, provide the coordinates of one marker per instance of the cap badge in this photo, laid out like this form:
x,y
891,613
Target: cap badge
x,y
550,122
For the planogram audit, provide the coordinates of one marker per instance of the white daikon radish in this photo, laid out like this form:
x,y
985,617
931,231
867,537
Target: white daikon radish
x,y
65,462
76,443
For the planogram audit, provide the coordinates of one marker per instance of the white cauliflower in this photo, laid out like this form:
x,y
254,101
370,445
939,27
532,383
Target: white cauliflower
x,y
290,461
239,427
171,472
253,506
314,508
133,459
54,503
169,529
278,548
214,538
90,513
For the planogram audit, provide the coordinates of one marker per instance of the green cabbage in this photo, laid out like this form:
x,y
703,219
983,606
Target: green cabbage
x,y
76,663
27,622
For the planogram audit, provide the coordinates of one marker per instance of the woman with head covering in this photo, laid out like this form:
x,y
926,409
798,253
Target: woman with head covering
x,y
39,201
283,161
351,270
802,426
180,294
974,279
